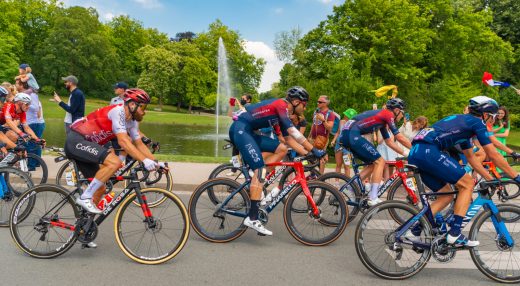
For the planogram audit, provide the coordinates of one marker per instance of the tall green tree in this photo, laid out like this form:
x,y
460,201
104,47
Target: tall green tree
x,y
11,39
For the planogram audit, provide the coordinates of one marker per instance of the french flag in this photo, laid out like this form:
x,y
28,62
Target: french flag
x,y
487,79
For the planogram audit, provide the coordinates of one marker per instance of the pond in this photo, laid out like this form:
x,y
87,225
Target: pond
x,y
175,139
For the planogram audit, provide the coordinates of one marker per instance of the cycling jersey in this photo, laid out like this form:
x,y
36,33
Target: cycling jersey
x,y
102,125
373,120
268,113
9,112
453,130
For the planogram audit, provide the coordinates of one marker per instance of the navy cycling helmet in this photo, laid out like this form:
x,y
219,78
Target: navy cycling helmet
x,y
478,105
395,103
3,91
298,92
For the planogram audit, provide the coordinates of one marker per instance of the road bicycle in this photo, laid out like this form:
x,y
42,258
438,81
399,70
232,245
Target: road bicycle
x,y
19,158
218,207
386,246
46,222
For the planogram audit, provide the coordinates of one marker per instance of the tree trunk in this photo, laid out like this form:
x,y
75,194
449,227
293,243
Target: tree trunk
x,y
189,109
179,106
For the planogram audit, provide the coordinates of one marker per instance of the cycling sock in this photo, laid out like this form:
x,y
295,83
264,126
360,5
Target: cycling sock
x,y
253,211
455,225
374,191
91,189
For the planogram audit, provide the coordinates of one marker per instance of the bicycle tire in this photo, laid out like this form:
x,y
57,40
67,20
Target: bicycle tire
x,y
353,200
475,252
362,249
159,225
16,187
218,172
16,223
154,201
41,162
210,186
324,221
392,192
61,180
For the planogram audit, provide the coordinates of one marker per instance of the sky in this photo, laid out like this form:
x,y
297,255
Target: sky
x,y
257,21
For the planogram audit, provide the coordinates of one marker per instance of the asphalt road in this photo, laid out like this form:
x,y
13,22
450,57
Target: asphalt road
x,y
249,260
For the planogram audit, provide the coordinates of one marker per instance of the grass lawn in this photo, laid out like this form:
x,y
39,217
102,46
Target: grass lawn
x,y
514,138
51,110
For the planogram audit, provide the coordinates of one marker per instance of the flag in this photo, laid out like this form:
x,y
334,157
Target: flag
x,y
384,90
487,79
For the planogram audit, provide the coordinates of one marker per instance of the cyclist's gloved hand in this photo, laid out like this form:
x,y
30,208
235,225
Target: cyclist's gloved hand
x,y
515,155
150,165
162,165
317,152
517,179
25,137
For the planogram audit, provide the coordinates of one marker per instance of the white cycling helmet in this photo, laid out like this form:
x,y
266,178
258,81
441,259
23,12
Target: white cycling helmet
x,y
23,97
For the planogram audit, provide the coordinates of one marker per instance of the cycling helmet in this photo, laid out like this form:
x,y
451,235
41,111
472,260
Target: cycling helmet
x,y
23,97
3,91
137,95
480,104
395,103
350,113
298,92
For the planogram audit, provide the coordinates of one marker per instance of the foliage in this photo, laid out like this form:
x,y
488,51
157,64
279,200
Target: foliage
x,y
285,42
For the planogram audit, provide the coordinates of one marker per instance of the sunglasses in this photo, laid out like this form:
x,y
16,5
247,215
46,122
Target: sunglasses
x,y
143,106
319,102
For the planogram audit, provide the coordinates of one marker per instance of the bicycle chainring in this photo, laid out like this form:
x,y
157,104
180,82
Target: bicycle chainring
x,y
263,216
442,251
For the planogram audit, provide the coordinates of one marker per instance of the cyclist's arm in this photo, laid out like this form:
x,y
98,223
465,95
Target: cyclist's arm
x,y
391,143
499,145
143,149
499,160
135,135
295,145
12,125
126,144
29,131
476,164
403,140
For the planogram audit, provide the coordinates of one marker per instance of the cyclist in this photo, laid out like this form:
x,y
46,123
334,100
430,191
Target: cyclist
x,y
438,168
88,135
11,114
366,123
252,147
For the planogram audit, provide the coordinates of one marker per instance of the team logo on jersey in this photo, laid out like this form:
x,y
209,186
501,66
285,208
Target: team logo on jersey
x,y
99,136
89,149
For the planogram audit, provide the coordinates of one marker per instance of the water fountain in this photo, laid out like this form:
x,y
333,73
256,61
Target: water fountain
x,y
224,92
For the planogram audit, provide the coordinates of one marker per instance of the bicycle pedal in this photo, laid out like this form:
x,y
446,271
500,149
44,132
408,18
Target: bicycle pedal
x,y
260,234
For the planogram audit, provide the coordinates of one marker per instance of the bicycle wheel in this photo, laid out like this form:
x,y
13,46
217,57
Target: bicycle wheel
x,y
377,248
43,235
155,239
289,175
493,256
16,183
67,177
209,219
154,179
352,194
397,192
40,172
228,171
316,230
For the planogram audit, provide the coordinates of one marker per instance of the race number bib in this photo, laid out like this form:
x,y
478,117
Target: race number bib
x,y
348,124
423,133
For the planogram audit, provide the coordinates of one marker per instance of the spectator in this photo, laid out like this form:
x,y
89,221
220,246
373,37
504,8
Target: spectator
x,y
119,90
322,123
410,129
76,106
12,91
25,75
37,124
501,126
338,151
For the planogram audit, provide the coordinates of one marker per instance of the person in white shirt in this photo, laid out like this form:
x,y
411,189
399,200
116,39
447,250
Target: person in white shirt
x,y
119,90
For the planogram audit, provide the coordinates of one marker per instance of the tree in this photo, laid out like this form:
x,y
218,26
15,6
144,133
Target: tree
x,y
189,36
11,39
285,42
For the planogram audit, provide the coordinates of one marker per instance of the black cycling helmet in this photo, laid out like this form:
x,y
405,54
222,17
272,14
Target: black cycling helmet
x,y
395,103
480,104
297,92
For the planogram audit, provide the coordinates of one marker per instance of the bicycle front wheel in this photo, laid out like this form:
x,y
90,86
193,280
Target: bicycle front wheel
x,y
494,257
16,183
308,228
378,248
156,237
46,228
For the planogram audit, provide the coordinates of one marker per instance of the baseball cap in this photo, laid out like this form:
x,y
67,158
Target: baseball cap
x,y
24,66
72,79
121,84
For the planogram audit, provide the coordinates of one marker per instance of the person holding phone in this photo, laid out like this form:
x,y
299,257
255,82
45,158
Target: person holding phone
x,y
75,108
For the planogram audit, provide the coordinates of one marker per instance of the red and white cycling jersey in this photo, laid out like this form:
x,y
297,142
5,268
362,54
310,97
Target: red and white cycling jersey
x,y
9,111
102,125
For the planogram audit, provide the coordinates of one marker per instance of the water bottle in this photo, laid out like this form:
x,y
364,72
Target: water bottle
x,y
274,192
346,159
235,161
107,199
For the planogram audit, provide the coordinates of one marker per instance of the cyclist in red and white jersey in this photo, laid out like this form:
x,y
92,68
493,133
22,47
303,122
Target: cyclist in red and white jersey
x,y
11,113
89,134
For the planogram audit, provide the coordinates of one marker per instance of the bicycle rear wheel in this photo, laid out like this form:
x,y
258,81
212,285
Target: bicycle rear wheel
x,y
154,239
351,192
38,174
228,171
316,230
210,219
493,256
16,182
43,235
376,244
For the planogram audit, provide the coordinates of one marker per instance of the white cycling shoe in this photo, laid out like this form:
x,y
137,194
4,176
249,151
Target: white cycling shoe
x,y
257,225
87,205
372,203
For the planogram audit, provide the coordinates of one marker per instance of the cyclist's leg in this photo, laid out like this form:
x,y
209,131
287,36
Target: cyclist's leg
x,y
272,150
13,137
365,151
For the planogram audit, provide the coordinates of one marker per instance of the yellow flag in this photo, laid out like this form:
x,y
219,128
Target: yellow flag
x,y
384,90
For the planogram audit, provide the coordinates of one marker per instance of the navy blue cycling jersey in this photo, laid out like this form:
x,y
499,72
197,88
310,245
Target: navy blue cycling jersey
x,y
268,113
455,130
373,120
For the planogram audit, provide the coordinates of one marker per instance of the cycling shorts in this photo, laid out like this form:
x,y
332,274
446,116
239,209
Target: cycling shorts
x,y
88,155
359,146
250,144
437,167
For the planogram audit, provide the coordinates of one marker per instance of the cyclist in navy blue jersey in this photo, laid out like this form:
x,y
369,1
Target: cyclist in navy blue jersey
x,y
257,150
366,123
438,168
